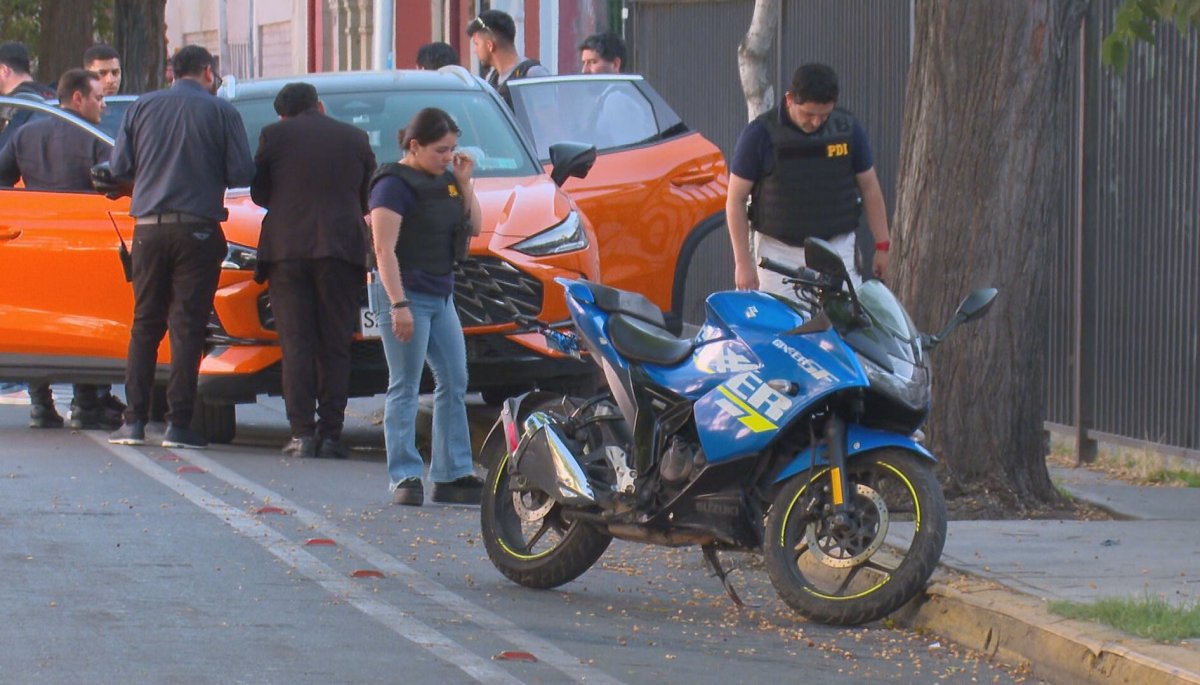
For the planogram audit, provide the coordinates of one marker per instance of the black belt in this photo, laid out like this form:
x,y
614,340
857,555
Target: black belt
x,y
172,218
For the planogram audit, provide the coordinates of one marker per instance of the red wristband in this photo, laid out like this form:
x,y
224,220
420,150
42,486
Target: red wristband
x,y
883,246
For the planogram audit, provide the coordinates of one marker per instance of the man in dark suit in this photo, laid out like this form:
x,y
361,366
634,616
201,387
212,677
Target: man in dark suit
x,y
312,175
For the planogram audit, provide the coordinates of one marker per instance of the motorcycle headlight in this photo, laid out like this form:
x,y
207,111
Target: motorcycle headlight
x,y
908,385
239,258
567,236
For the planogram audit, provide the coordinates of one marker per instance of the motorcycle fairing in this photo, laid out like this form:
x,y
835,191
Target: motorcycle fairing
x,y
859,439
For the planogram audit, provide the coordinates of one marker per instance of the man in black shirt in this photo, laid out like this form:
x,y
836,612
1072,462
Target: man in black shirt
x,y
53,154
16,80
181,148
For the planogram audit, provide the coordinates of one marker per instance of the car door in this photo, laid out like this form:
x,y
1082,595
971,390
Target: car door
x,y
65,306
654,187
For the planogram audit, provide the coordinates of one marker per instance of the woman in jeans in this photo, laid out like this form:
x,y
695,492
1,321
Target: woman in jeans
x,y
419,208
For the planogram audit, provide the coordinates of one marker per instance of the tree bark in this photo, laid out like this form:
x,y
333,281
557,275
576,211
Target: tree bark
x,y
752,57
139,28
66,31
986,136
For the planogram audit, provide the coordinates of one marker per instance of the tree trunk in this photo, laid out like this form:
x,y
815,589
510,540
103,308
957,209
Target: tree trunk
x,y
752,57
66,33
986,137
139,28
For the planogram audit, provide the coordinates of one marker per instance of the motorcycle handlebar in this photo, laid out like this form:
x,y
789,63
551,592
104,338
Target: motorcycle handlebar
x,y
803,274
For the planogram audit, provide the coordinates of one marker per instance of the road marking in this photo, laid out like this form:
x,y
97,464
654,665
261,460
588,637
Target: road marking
x,y
548,653
335,583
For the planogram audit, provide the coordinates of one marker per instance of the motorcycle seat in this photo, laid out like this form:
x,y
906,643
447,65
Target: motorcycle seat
x,y
643,341
616,301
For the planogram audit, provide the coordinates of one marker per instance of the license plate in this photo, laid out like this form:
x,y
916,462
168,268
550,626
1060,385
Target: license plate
x,y
368,324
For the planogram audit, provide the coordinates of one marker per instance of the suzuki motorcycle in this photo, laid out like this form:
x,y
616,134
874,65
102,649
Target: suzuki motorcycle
x,y
789,428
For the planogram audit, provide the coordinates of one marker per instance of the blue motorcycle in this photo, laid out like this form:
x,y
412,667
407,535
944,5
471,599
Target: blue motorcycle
x,y
789,428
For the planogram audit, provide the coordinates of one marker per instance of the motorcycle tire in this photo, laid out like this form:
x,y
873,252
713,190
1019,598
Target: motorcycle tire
x,y
849,573
527,538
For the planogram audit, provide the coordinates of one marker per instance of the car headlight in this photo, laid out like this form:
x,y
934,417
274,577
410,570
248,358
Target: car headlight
x,y
239,258
567,236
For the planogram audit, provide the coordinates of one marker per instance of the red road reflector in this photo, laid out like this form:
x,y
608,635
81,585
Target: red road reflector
x,y
515,656
189,469
169,457
367,573
320,542
270,510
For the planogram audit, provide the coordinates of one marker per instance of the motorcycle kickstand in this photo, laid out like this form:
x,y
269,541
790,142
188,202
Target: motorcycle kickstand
x,y
710,555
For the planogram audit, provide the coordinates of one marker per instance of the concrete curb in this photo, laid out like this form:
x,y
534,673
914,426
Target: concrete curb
x,y
1017,629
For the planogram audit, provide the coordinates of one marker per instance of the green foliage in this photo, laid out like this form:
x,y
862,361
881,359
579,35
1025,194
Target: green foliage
x,y
1189,479
1134,22
19,20
1145,616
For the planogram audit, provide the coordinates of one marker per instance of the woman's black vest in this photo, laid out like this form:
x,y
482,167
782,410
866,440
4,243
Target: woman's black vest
x,y
428,229
811,191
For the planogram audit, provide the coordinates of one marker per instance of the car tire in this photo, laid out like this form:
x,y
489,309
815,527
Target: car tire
x,y
217,422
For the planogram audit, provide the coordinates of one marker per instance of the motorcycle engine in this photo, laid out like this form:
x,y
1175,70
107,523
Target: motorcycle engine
x,y
681,459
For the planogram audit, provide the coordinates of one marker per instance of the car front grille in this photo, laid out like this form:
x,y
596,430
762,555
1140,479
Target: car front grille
x,y
487,291
490,291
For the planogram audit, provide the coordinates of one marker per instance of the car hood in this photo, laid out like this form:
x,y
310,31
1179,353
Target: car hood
x,y
512,208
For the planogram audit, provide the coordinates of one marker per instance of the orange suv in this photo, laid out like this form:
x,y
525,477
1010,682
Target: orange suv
x,y
633,222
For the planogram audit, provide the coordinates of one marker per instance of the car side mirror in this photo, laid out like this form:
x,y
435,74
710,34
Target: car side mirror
x,y
820,255
104,182
571,159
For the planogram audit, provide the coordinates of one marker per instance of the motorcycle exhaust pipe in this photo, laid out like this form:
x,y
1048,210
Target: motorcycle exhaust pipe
x,y
545,459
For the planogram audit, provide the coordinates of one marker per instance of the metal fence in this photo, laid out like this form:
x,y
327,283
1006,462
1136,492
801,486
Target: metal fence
x,y
1123,363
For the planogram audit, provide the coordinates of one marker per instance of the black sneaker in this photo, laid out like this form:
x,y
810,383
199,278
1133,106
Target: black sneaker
x,y
409,492
304,447
93,418
331,448
465,490
44,416
183,436
133,433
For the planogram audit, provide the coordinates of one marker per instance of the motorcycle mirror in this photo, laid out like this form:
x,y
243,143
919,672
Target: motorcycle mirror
x,y
976,304
973,307
571,159
820,255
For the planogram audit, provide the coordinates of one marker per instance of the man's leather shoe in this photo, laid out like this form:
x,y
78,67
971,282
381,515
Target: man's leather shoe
x,y
132,433
409,492
331,448
183,436
44,416
303,447
465,490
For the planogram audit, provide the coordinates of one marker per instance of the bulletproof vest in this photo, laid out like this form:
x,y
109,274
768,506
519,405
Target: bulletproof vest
x,y
811,190
518,72
428,229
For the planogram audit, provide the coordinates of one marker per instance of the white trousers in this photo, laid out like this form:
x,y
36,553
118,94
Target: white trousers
x,y
766,246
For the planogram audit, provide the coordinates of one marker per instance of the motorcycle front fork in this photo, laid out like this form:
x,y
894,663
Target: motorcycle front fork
x,y
839,490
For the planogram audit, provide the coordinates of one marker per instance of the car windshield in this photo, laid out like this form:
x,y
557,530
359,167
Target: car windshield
x,y
486,133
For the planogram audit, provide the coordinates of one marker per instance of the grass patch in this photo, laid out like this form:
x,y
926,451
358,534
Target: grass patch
x,y
1189,479
1146,616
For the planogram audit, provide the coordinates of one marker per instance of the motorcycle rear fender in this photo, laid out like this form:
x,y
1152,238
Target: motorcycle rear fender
x,y
859,439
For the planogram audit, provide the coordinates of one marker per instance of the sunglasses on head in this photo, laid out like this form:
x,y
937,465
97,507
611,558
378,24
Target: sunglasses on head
x,y
482,24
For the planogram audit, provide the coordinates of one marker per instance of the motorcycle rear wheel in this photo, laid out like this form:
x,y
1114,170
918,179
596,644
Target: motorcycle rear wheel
x,y
848,575
527,538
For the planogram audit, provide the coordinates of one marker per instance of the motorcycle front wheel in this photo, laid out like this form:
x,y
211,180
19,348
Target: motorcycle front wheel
x,y
528,539
864,565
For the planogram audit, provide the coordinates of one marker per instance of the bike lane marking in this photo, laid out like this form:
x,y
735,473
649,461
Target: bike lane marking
x,y
547,652
289,552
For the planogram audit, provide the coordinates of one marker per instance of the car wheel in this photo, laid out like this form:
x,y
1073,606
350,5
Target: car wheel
x,y
217,422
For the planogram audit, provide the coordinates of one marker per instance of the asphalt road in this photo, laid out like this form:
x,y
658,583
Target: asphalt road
x,y
145,565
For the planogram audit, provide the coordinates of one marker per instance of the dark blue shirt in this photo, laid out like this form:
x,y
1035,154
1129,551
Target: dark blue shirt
x,y
52,154
390,192
752,156
181,148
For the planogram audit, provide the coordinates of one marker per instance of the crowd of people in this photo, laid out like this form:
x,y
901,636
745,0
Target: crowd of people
x,y
804,169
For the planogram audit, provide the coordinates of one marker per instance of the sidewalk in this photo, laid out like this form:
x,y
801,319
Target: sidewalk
x,y
997,576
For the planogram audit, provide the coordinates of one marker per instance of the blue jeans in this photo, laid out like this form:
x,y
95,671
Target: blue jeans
x,y
438,340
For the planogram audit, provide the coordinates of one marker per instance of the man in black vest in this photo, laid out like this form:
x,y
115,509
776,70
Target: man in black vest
x,y
807,170
493,34
311,175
